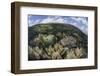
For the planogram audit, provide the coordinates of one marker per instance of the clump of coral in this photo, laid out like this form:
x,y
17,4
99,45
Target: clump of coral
x,y
56,41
